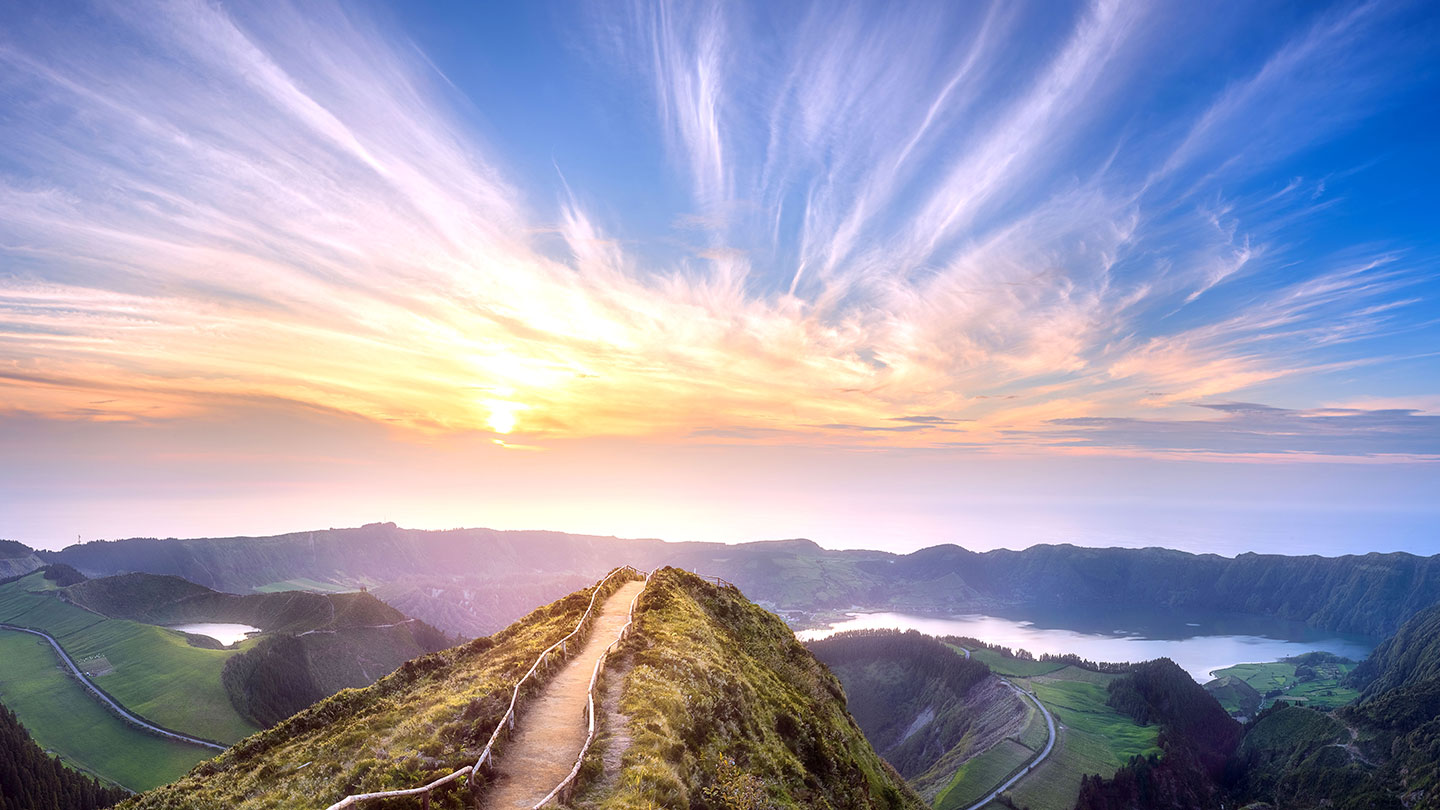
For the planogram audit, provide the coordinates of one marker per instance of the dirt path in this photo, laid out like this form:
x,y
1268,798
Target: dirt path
x,y
548,735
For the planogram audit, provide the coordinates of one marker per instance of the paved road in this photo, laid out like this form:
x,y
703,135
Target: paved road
x,y
64,656
1044,752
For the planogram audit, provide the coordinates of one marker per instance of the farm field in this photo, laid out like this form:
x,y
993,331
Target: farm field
x,y
982,774
155,673
1277,681
66,720
1091,737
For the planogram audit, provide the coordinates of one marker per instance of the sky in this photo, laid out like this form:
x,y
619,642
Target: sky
x,y
883,275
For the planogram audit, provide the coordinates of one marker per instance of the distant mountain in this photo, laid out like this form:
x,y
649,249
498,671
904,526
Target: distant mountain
x,y
438,574
723,705
472,606
1370,594
30,779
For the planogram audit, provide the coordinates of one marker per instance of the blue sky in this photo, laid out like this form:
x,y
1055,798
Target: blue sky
x,y
248,247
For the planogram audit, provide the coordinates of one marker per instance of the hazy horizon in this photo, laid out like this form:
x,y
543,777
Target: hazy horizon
x,y
1280,534
883,275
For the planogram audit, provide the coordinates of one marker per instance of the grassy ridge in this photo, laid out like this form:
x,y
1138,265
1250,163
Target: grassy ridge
x,y
1014,667
423,721
65,719
156,673
723,700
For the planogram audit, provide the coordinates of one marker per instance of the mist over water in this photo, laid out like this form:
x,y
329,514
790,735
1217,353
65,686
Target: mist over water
x,y
1200,644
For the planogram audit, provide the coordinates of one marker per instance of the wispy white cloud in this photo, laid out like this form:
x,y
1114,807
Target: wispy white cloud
x,y
205,205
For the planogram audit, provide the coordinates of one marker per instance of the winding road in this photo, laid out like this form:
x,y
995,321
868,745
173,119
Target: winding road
x,y
1025,771
1029,766
95,690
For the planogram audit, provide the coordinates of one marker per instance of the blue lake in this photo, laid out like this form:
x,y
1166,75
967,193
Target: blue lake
x,y
1198,643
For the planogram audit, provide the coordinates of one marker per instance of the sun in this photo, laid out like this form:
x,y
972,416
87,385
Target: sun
x,y
503,414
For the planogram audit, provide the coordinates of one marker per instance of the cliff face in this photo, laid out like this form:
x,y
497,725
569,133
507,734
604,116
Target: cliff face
x,y
17,559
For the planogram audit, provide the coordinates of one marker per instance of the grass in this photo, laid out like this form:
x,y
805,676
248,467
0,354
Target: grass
x,y
722,698
302,584
421,722
1092,738
980,775
1322,693
66,720
1036,732
1014,667
157,675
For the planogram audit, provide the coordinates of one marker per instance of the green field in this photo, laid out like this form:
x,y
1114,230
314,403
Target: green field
x,y
157,675
1014,667
302,584
1323,693
979,775
1092,737
66,720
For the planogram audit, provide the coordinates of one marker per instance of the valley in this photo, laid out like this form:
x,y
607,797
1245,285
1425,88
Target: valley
x,y
984,711
182,696
66,720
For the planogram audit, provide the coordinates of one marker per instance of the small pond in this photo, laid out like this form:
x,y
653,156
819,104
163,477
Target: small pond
x,y
223,632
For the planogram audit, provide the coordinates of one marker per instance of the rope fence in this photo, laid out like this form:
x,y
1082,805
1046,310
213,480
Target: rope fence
x,y
566,788
507,721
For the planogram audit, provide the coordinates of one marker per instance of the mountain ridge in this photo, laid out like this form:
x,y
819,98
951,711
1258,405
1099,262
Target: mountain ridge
x,y
1369,594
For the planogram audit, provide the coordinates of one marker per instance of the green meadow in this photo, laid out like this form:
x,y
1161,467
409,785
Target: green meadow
x,y
157,675
1091,737
1323,692
1014,667
66,720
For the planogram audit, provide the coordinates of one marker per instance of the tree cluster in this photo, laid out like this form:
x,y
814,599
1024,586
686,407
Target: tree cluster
x,y
32,780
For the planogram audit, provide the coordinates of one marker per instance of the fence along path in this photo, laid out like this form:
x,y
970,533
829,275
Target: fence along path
x,y
544,756
556,653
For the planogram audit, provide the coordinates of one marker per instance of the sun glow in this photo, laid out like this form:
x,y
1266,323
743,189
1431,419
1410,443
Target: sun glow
x,y
503,415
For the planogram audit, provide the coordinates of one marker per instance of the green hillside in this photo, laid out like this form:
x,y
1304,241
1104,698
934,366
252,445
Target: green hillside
x,y
30,778
152,671
719,694
64,719
722,699
1379,753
